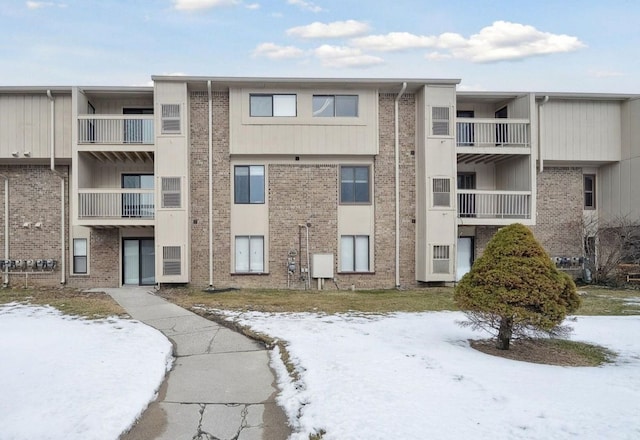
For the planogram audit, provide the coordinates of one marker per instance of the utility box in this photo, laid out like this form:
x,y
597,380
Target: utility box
x,y
322,266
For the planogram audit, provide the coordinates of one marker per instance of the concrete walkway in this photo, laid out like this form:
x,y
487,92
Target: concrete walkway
x,y
220,387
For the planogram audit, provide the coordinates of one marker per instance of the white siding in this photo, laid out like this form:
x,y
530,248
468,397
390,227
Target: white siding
x,y
581,131
514,174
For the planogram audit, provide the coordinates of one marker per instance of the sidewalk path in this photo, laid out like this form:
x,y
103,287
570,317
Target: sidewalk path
x,y
220,387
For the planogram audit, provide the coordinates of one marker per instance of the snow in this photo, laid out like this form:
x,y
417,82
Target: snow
x,y
68,378
414,375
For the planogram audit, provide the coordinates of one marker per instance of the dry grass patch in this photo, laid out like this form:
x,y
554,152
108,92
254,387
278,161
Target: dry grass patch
x,y
365,301
91,305
608,302
550,352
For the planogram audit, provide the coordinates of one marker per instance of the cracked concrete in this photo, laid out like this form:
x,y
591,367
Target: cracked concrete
x,y
220,386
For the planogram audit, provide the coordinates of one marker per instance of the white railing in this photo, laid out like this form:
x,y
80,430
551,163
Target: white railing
x,y
115,129
472,132
494,204
115,203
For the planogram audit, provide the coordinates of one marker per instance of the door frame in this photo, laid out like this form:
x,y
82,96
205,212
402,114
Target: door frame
x,y
473,252
139,240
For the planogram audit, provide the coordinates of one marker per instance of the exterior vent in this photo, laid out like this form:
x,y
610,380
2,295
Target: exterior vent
x,y
171,262
441,192
170,118
441,259
171,194
440,121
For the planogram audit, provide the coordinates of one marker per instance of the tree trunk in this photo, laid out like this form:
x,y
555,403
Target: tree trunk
x,y
504,333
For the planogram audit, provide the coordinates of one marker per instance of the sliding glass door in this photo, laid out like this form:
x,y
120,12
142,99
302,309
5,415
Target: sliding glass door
x,y
138,261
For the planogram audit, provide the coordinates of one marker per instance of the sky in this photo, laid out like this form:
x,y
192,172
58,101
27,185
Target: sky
x,y
498,45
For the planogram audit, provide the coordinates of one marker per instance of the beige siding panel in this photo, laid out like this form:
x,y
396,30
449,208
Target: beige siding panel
x,y
581,131
514,174
111,106
519,107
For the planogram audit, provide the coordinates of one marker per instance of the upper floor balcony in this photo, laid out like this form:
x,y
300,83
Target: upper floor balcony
x,y
491,133
493,207
116,207
106,129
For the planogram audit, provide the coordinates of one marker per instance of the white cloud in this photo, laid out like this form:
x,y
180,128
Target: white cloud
x,y
193,5
39,5
393,41
340,56
303,4
471,88
499,42
253,6
605,73
336,29
437,56
276,52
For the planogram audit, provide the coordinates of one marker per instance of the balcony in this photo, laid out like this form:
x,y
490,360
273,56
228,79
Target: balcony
x,y
493,133
115,206
481,207
115,129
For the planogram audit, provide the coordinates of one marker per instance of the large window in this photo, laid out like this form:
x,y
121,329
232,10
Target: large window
x,y
249,254
589,191
354,253
249,184
335,105
267,105
354,184
79,255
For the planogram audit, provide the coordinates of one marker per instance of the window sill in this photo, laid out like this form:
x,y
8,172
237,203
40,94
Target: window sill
x,y
242,274
357,273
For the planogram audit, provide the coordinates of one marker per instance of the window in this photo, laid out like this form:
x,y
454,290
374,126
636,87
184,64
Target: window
x,y
170,119
249,254
171,193
354,184
440,121
441,259
335,105
441,192
272,105
249,184
354,253
589,191
79,255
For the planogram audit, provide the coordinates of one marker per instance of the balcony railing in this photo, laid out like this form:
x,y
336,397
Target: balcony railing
x,y
115,129
116,203
472,132
494,204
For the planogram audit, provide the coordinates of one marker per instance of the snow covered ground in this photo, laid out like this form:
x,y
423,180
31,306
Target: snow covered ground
x,y
414,376
69,378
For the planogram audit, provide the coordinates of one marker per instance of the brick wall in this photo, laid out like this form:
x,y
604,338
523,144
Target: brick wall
x,y
104,257
34,197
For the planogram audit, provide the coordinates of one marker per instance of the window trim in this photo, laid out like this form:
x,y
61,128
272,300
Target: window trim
x,y
273,105
76,257
264,182
354,237
592,192
235,253
369,192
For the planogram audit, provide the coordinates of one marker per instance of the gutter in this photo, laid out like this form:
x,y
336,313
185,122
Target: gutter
x,y
210,130
397,181
63,266
540,150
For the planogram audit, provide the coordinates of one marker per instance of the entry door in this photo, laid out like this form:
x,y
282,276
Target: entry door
x,y
139,265
502,130
465,256
466,202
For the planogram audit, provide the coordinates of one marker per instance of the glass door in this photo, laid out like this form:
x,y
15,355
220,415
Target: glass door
x,y
137,131
137,205
138,261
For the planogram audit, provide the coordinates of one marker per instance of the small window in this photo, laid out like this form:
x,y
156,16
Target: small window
x,y
272,105
249,184
79,255
441,192
170,119
354,184
335,105
441,259
440,121
589,191
354,253
249,254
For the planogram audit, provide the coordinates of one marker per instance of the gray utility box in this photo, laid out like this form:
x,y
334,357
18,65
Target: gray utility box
x,y
322,266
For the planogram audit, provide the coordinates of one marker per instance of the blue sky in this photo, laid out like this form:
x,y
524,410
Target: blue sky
x,y
563,45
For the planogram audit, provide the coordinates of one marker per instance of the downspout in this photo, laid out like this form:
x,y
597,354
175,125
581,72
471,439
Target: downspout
x,y
210,129
397,182
540,151
63,255
5,282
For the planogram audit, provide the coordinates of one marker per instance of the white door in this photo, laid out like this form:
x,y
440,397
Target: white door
x,y
465,256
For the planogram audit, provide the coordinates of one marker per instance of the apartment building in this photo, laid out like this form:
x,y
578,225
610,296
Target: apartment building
x,y
300,183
